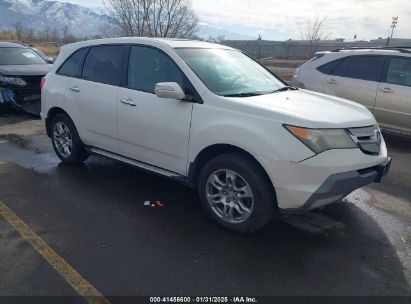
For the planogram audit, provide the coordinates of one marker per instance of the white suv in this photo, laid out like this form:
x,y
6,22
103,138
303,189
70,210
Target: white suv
x,y
379,78
211,117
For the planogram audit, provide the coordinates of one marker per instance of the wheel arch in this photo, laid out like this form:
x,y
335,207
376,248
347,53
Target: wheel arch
x,y
215,150
50,116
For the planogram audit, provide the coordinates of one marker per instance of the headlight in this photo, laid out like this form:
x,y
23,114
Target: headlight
x,y
320,140
16,81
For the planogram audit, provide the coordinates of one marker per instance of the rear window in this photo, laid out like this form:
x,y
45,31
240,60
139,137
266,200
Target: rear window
x,y
19,56
104,64
73,66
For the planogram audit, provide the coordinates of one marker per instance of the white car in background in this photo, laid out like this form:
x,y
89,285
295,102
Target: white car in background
x,y
379,79
211,117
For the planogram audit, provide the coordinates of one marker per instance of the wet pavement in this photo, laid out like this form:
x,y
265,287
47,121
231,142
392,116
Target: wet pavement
x,y
94,217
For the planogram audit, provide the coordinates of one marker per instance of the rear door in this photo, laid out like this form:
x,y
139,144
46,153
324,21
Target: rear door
x,y
393,105
356,78
93,97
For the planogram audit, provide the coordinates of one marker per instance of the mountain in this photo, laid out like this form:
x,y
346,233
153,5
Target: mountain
x,y
38,14
82,21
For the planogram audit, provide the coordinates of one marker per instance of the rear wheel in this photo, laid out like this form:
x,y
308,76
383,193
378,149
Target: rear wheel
x,y
66,141
235,192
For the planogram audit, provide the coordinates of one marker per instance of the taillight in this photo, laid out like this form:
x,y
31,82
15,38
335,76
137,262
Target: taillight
x,y
42,82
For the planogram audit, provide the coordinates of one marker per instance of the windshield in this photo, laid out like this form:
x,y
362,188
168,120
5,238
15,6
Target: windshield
x,y
19,56
230,72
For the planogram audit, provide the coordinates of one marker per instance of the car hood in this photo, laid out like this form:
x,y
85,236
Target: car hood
x,y
25,70
322,110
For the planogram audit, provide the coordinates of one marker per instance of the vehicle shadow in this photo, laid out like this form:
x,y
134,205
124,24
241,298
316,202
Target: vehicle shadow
x,y
398,182
177,250
13,116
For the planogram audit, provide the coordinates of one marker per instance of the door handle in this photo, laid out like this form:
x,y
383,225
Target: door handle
x,y
331,81
75,89
128,102
387,90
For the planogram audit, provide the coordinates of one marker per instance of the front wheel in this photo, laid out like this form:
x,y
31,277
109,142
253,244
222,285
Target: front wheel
x,y
236,193
66,141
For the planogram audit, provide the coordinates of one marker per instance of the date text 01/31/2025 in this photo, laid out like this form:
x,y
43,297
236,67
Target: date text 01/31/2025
x,y
237,299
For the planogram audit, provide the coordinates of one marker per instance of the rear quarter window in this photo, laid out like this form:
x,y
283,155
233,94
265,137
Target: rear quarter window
x,y
329,68
73,65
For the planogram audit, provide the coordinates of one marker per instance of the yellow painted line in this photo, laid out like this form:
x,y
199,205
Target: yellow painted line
x,y
81,285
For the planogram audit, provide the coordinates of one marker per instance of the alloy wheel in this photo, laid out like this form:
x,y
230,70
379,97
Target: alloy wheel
x,y
63,139
229,196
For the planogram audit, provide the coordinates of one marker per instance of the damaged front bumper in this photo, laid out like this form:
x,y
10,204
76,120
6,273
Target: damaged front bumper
x,y
27,99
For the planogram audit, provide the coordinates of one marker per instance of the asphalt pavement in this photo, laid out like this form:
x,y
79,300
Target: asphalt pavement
x,y
93,217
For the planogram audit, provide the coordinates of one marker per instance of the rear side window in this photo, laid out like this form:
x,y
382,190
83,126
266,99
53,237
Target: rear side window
x,y
361,67
148,66
366,67
73,66
104,64
399,71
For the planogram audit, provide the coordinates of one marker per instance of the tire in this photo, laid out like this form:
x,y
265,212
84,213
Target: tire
x,y
260,207
64,132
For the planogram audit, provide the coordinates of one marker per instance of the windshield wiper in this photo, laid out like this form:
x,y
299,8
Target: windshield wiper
x,y
285,88
249,94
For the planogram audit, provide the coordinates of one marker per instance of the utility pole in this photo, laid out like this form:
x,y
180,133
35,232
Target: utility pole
x,y
393,26
259,47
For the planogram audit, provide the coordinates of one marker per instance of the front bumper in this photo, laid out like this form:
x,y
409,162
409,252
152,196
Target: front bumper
x,y
339,185
26,98
324,178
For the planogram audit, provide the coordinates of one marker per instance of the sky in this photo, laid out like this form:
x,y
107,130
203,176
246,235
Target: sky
x,y
283,19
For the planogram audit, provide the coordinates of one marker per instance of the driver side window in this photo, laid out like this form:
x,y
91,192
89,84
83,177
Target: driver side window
x,y
148,66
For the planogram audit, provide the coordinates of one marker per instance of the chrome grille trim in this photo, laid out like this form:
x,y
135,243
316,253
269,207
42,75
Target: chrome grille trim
x,y
368,139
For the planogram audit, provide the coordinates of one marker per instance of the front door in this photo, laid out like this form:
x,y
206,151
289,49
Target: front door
x,y
151,129
393,106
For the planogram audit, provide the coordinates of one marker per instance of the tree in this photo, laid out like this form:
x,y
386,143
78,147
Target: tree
x,y
18,30
153,18
313,33
46,33
55,36
30,33
65,33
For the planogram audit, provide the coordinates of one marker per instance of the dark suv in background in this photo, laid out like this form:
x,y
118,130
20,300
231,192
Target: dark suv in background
x,y
21,71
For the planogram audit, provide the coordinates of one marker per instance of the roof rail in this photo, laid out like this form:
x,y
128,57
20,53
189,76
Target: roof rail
x,y
401,49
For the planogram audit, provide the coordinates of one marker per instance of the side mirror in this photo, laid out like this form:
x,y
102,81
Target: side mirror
x,y
170,90
49,60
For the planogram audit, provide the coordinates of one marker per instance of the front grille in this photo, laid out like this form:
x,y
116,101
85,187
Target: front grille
x,y
31,93
368,139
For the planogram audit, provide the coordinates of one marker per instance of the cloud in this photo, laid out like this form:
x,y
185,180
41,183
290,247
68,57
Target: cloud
x,y
366,18
280,19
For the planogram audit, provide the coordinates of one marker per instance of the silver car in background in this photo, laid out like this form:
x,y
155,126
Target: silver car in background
x,y
378,78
